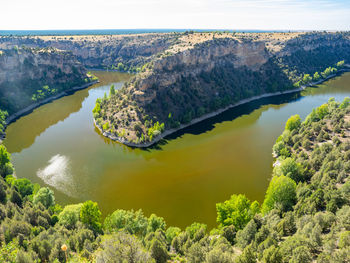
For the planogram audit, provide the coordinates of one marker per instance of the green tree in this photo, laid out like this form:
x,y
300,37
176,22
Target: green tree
x,y
70,215
97,109
111,90
24,186
158,251
307,79
237,211
155,222
5,164
272,255
248,255
90,215
290,168
280,194
122,247
293,123
130,221
316,76
340,64
44,196
171,233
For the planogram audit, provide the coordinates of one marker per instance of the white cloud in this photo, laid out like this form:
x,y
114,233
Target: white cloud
x,y
230,14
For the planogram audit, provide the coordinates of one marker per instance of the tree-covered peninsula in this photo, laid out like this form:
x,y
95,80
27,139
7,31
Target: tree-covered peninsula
x,y
202,74
303,218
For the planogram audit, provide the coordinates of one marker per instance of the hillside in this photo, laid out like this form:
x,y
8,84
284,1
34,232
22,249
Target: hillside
x,y
206,72
304,217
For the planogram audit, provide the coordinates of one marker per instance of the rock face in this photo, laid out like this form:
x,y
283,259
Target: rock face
x,y
129,51
25,71
201,74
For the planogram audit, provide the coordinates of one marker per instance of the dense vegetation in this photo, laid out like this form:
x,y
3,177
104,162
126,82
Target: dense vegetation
x,y
304,216
172,90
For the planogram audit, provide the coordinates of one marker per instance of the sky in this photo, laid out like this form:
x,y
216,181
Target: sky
x,y
182,14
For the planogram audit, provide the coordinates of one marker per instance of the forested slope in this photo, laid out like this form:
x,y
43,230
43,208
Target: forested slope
x,y
305,216
206,72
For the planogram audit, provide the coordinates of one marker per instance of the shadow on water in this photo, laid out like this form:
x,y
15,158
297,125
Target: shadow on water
x,y
229,115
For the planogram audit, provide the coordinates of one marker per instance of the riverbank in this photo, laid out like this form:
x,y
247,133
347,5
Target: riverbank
x,y
212,114
31,107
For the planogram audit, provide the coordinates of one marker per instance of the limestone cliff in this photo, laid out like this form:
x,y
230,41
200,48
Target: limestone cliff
x,y
24,72
122,52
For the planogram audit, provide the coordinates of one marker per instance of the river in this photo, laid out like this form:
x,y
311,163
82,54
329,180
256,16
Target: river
x,y
181,178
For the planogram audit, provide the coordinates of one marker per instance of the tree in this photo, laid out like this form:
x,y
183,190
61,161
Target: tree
x,y
246,235
158,251
122,247
280,194
272,255
2,193
111,90
130,221
5,164
155,222
340,64
248,255
70,215
316,76
237,211
307,78
172,232
293,123
24,186
44,196
90,215
301,255
195,228
290,168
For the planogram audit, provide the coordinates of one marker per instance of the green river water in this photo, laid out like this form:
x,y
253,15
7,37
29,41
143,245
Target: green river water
x,y
181,178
